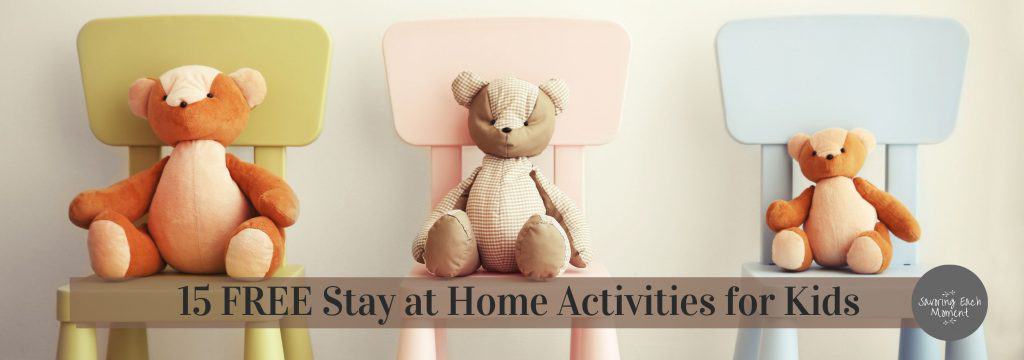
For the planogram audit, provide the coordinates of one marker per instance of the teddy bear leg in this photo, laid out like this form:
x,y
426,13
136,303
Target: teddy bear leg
x,y
451,249
791,249
256,250
119,250
871,251
542,248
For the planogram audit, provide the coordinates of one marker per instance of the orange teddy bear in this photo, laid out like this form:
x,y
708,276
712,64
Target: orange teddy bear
x,y
846,220
209,212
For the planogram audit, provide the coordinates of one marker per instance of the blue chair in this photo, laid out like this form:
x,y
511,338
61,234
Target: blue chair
x,y
899,77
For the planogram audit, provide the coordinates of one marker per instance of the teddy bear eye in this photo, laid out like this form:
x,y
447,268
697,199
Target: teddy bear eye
x,y
814,153
165,97
526,123
842,150
209,95
494,122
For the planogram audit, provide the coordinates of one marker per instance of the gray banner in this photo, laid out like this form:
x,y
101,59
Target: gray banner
x,y
316,302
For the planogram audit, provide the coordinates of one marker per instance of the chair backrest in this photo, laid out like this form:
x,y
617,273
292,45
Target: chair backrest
x,y
423,57
293,55
899,77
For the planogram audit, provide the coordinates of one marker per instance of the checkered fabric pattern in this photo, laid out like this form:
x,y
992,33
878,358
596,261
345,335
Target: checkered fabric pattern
x,y
575,225
465,87
503,197
443,207
512,100
558,92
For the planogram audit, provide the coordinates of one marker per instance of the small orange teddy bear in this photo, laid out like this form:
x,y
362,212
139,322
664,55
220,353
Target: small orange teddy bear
x,y
209,212
846,220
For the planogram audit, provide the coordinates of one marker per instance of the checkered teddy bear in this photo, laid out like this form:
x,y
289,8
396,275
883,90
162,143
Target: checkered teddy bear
x,y
506,216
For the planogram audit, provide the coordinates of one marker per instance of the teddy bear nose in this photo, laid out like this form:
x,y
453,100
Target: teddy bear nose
x,y
184,104
506,130
830,156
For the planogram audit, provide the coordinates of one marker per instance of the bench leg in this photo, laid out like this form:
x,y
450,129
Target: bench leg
x,y
76,343
748,342
971,347
263,342
296,341
779,344
127,344
915,344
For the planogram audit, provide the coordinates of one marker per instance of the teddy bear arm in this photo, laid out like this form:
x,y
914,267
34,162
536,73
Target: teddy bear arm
x,y
784,214
559,206
891,211
129,197
456,198
269,194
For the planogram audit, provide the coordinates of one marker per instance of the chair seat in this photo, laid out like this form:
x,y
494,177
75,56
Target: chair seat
x,y
756,269
593,270
164,282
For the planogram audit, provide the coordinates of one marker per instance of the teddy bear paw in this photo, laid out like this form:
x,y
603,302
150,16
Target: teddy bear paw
x,y
542,248
865,257
109,253
789,251
249,256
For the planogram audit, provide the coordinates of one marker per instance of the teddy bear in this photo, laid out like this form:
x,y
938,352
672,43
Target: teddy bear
x,y
208,211
846,220
506,216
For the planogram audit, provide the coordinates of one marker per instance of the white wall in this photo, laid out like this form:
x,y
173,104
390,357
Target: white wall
x,y
691,209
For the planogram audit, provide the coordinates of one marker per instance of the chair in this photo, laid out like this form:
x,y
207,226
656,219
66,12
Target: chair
x,y
422,58
293,56
899,77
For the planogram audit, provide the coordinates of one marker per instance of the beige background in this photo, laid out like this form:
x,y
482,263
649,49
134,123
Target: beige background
x,y
673,195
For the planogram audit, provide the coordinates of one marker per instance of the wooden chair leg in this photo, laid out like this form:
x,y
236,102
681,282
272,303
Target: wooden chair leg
x,y
419,342
748,342
76,343
969,348
295,338
779,344
441,343
263,342
593,343
127,344
915,344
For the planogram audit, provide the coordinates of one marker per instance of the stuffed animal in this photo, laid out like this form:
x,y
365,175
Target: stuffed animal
x,y
846,220
209,212
506,215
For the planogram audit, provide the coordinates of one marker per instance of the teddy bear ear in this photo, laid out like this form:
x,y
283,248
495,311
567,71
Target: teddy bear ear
x,y
252,84
466,86
138,96
558,92
865,137
796,143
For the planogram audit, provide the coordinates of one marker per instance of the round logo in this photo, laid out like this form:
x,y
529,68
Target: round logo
x,y
949,302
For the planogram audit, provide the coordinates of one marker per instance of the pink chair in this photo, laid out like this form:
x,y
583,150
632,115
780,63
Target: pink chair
x,y
423,57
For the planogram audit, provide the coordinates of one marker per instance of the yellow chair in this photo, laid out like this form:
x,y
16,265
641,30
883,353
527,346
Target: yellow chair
x,y
293,55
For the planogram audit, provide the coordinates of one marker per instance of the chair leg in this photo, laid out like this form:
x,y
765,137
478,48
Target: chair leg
x,y
748,340
263,342
779,344
971,347
915,344
295,339
127,344
419,342
593,343
76,343
441,342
